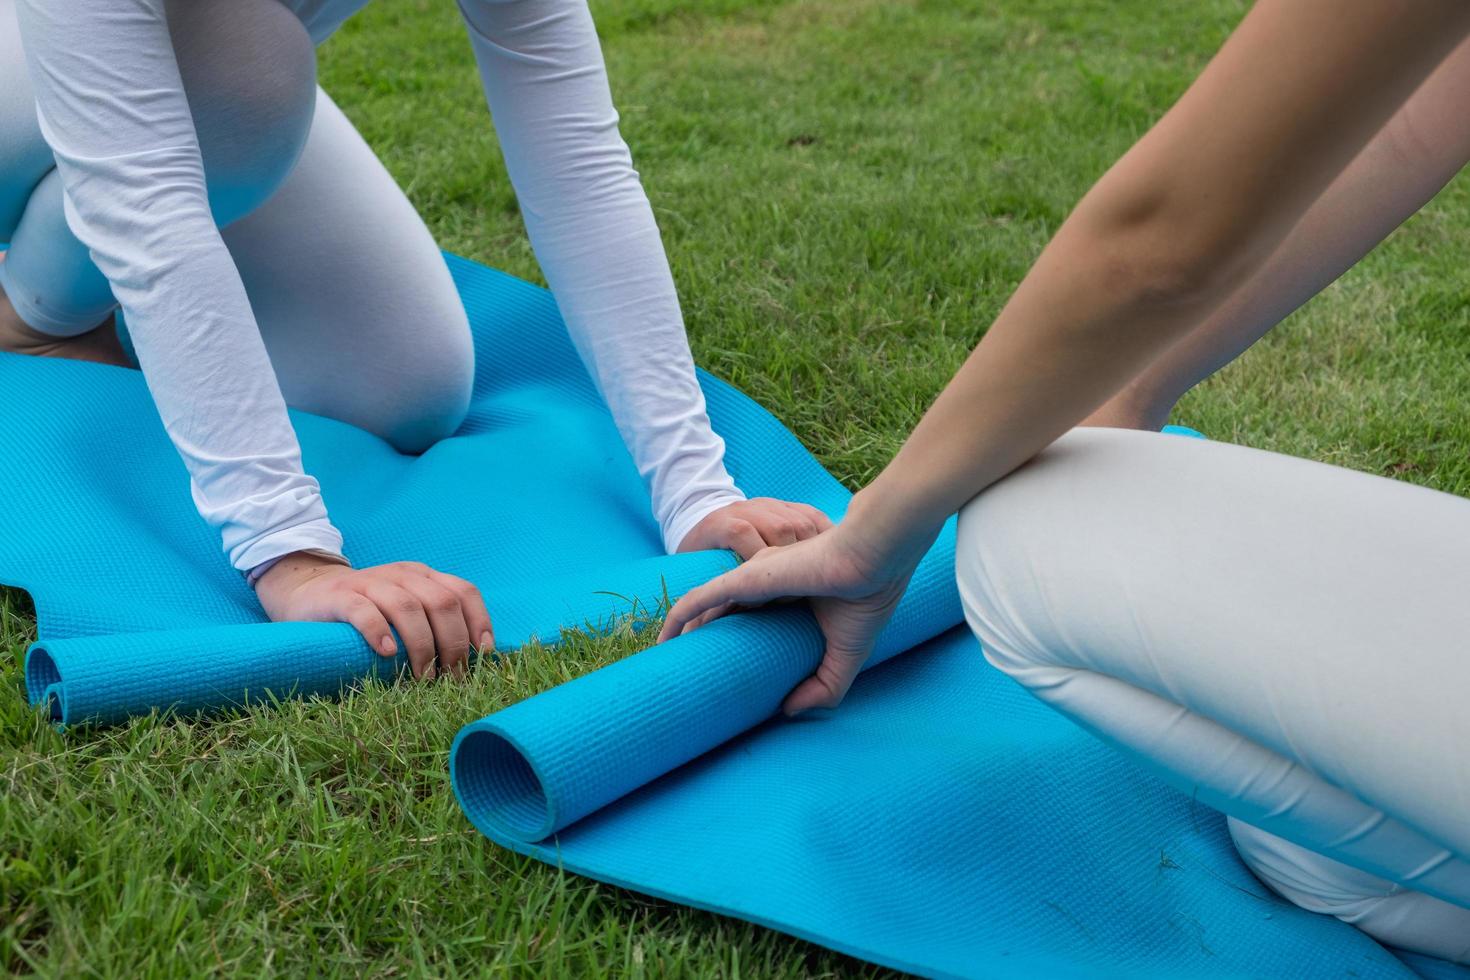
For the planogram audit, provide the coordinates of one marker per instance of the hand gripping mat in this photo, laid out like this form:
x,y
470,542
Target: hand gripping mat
x,y
942,821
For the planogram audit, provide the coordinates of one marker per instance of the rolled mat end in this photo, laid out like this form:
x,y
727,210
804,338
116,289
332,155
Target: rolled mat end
x,y
498,785
43,682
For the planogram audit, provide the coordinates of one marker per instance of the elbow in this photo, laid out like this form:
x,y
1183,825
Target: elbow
x,y
1162,247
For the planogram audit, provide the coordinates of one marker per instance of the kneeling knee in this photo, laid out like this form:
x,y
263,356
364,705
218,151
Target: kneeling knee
x,y
1390,913
249,72
978,573
435,386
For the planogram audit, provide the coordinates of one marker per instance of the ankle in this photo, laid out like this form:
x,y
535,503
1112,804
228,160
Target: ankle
x,y
14,334
99,345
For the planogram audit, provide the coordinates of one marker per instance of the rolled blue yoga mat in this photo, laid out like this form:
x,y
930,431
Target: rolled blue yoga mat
x,y
527,770
79,679
941,821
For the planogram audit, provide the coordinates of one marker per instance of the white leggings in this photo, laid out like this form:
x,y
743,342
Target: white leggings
x,y
1285,640
356,307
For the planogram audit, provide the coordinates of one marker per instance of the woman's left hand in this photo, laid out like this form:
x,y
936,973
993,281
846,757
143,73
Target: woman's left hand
x,y
852,596
748,526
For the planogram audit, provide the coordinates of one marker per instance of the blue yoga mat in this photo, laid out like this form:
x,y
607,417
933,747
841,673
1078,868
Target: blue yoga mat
x,y
942,821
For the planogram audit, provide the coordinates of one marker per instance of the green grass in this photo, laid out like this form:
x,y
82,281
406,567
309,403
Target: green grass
x,y
849,189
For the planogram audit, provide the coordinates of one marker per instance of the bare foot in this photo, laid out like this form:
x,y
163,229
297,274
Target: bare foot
x,y
99,345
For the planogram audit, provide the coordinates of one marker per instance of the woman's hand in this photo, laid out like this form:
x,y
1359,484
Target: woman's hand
x,y
433,613
853,587
749,526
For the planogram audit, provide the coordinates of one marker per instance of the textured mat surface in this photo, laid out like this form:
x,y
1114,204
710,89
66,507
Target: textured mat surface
x,y
941,821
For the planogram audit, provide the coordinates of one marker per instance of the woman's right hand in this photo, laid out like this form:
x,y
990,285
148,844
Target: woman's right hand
x,y
439,617
853,586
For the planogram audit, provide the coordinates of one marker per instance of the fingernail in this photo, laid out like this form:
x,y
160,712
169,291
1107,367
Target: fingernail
x,y
487,641
387,645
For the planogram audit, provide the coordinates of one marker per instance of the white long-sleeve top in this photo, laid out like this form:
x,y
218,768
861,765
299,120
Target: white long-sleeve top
x,y
112,108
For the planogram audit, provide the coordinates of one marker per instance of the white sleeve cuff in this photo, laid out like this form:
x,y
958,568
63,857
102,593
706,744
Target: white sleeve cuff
x,y
316,535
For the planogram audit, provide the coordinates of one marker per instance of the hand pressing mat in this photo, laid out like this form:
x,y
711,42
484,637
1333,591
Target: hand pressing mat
x,y
940,822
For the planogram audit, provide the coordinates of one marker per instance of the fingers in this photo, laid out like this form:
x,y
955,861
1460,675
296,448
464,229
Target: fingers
x,y
476,617
363,614
850,624
789,571
406,612
827,687
440,618
810,693
819,521
745,539
781,522
751,584
806,521
682,613
708,616
719,593
776,522
447,620
750,526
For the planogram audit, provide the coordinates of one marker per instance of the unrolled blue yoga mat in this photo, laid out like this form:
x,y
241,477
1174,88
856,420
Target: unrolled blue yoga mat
x,y
941,821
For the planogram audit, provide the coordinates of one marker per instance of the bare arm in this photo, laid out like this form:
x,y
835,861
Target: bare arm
x,y
1420,149
1188,216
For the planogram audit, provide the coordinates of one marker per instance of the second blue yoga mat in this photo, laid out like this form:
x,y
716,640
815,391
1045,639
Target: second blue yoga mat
x,y
941,821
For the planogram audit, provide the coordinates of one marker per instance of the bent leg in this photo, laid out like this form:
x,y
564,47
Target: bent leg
x,y
24,156
354,301
1283,639
248,72
25,164
1386,911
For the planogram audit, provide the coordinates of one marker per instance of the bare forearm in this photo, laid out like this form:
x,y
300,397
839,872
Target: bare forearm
x,y
1186,218
1420,149
1073,333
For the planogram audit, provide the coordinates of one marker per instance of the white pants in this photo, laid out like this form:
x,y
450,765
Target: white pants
x,y
1287,641
354,302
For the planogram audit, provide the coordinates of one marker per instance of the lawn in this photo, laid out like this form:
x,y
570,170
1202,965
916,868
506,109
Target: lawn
x,y
849,189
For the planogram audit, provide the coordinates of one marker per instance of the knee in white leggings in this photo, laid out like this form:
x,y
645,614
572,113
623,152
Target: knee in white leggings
x,y
427,395
1388,912
1225,617
248,72
353,298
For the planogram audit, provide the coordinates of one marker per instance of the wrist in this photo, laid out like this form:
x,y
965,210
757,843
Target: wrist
x,y
294,563
888,536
